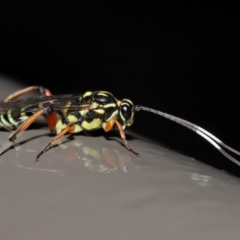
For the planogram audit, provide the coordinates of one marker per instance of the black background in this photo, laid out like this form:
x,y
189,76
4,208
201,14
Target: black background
x,y
176,56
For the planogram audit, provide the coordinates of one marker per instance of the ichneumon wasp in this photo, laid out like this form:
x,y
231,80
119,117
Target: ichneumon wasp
x,y
89,111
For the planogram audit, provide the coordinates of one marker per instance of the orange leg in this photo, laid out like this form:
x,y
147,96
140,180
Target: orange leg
x,y
51,115
109,126
20,93
52,120
122,134
68,129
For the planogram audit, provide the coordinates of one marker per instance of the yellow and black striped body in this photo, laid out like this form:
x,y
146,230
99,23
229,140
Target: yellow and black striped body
x,y
71,113
12,118
103,107
87,112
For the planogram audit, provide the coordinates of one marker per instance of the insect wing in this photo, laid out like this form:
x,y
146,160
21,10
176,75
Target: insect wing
x,y
32,104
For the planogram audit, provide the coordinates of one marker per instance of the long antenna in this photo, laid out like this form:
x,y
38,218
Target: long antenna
x,y
200,131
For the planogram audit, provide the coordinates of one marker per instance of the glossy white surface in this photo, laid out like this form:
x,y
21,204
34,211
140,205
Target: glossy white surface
x,y
93,188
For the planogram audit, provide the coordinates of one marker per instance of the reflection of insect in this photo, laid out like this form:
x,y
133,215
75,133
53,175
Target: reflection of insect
x,y
82,112
97,159
107,160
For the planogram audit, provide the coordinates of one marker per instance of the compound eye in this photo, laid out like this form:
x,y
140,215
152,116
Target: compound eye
x,y
126,112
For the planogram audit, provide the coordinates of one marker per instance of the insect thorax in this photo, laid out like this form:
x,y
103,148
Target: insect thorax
x,y
102,107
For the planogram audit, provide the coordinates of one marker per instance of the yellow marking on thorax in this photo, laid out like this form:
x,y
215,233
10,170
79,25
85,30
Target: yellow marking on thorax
x,y
102,93
72,118
60,126
109,105
94,105
86,94
99,111
95,123
83,112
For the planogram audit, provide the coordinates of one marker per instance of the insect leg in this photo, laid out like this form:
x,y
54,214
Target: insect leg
x,y
51,114
14,135
52,119
68,129
122,134
21,92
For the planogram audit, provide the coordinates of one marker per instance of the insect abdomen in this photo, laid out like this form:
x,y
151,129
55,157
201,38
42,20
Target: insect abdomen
x,y
11,119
